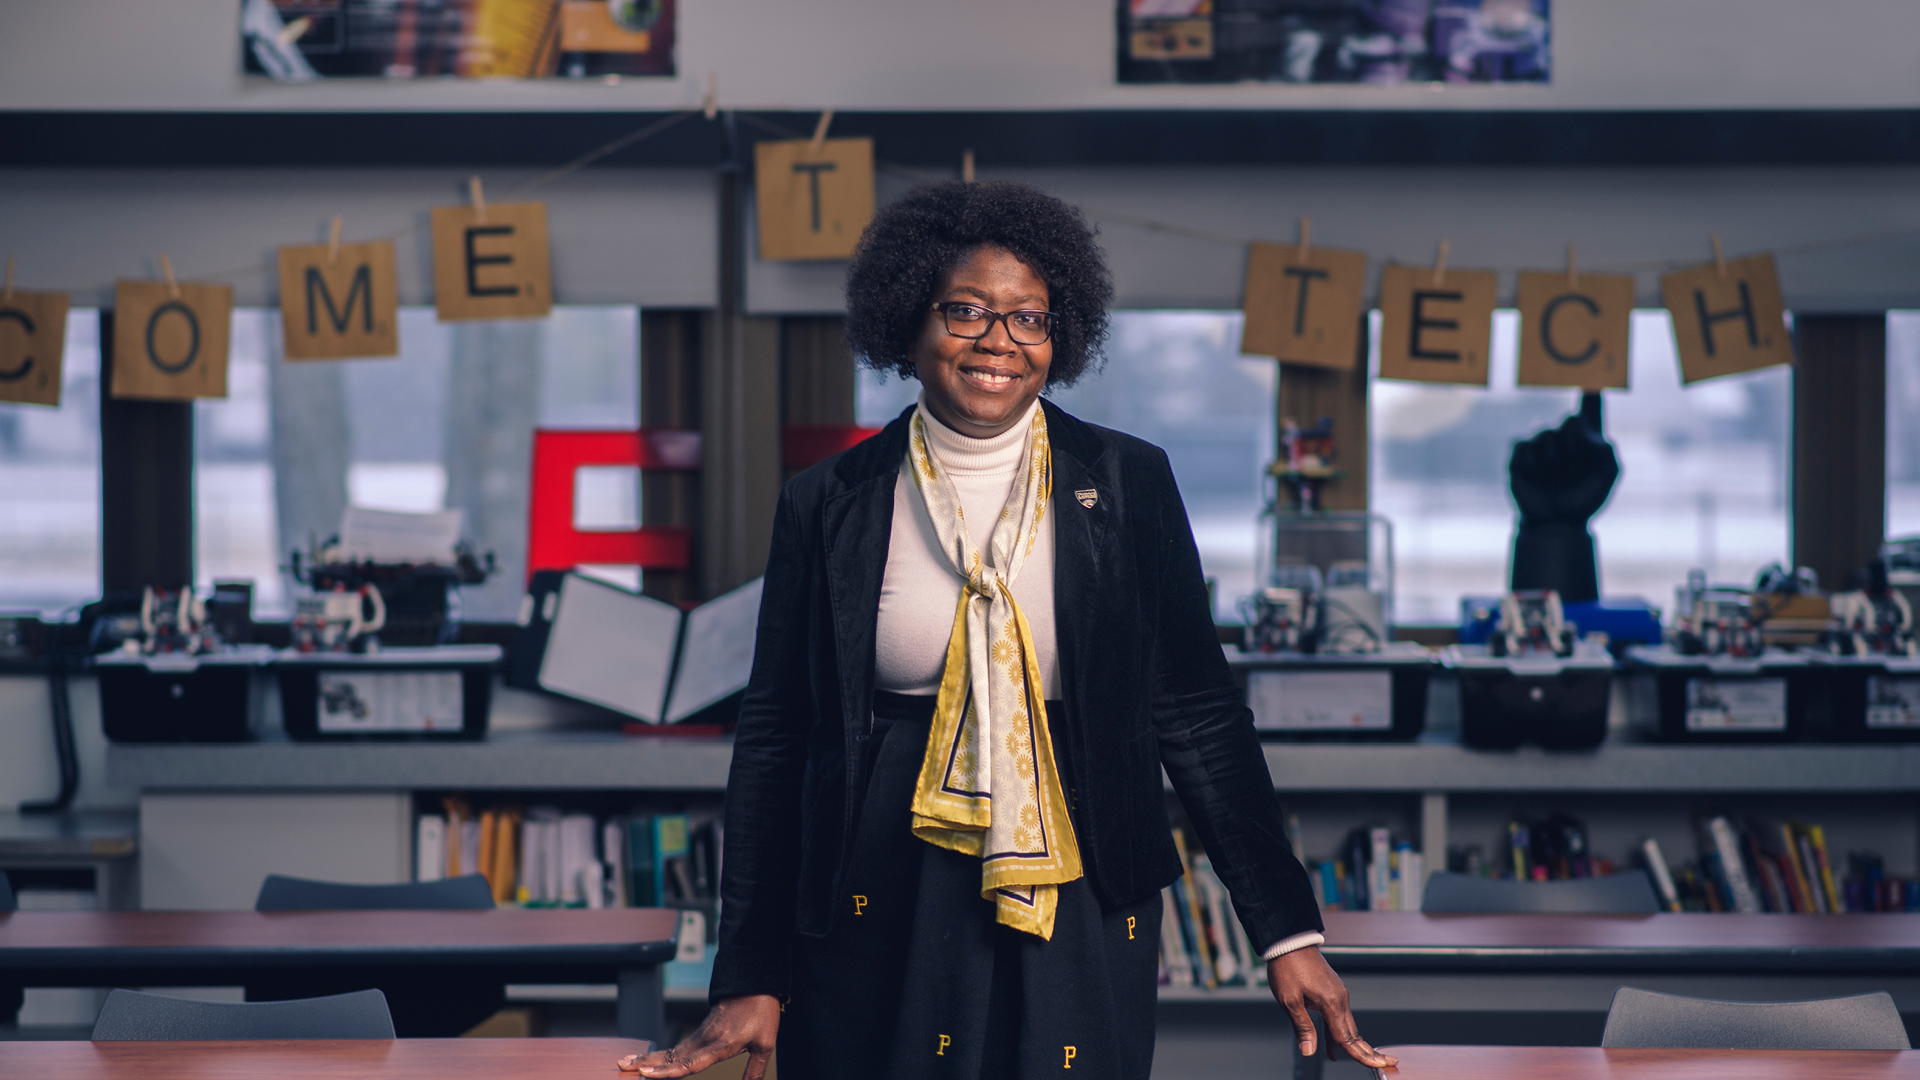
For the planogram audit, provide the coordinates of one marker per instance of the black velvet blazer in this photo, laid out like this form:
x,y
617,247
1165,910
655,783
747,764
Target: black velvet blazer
x,y
1143,680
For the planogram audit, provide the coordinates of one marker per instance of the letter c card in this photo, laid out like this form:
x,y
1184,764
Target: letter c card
x,y
169,347
1574,334
33,339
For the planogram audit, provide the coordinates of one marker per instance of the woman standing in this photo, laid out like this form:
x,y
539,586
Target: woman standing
x,y
984,635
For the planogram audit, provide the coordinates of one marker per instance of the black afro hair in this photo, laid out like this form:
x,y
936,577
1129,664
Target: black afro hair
x,y
914,242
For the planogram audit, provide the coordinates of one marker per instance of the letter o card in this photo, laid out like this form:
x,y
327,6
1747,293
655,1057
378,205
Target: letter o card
x,y
1435,331
33,340
335,305
1726,323
812,205
1304,311
493,265
1574,335
167,347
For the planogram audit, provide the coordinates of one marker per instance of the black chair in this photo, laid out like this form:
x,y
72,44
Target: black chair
x,y
425,1002
282,893
1643,1018
132,1016
1628,893
11,996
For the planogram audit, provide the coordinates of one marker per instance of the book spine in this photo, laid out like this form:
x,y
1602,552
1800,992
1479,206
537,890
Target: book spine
x,y
1789,858
1226,961
1662,876
1190,903
1732,866
430,848
1380,880
1517,844
1173,946
1413,878
1811,867
1330,885
1819,837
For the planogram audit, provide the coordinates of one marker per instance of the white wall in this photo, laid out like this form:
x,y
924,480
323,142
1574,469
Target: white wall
x,y
996,54
619,235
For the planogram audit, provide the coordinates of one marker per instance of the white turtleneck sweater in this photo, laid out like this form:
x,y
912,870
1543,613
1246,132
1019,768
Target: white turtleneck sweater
x,y
921,589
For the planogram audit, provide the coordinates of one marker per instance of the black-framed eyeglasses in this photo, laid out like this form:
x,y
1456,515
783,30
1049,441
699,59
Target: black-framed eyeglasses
x,y
1025,327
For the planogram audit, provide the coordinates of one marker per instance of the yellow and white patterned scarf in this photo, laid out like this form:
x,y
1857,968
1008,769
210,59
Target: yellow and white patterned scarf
x,y
989,785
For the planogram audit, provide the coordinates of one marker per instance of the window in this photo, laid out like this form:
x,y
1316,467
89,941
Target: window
x,y
1703,480
447,424
1175,379
1903,423
50,472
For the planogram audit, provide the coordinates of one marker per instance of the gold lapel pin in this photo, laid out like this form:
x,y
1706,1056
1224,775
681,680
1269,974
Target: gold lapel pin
x,y
1087,497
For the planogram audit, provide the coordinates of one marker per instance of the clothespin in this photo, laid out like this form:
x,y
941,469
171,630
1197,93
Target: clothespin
x,y
333,242
1573,268
820,133
479,199
710,98
166,271
966,165
1440,266
1306,234
1719,256
9,277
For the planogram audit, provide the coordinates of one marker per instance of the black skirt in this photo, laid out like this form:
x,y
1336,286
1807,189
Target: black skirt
x,y
917,980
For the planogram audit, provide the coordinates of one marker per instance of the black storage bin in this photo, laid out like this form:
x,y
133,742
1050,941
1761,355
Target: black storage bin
x,y
436,693
1557,702
1871,698
1367,697
1775,697
175,698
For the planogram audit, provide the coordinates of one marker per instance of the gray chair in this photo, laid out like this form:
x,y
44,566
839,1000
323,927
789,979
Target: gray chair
x,y
426,1001
1642,1018
282,893
129,1015
1628,893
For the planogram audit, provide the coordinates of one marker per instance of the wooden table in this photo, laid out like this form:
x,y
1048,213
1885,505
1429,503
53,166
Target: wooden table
x,y
223,948
1412,942
1593,1063
374,1059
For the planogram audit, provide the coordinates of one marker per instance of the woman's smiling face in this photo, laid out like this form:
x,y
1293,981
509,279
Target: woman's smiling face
x,y
982,386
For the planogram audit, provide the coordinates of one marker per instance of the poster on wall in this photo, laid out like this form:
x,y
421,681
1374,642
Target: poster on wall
x,y
1381,42
305,40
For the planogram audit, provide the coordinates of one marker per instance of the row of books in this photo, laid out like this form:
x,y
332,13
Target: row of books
x,y
1376,873
1774,866
542,856
1202,943
1552,848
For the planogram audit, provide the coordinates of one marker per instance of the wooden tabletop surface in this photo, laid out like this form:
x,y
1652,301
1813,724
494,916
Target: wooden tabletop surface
x,y
373,1059
1593,1063
1864,941
347,930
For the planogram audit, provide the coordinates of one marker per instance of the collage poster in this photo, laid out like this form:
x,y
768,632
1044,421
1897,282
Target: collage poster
x,y
1382,42
306,40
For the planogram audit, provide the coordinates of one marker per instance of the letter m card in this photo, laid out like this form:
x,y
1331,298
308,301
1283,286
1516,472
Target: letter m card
x,y
339,304
33,338
1727,322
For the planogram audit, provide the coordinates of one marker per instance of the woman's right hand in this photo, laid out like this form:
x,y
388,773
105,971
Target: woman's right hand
x,y
748,1024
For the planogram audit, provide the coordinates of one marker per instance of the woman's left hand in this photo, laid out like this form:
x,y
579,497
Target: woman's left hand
x,y
1302,980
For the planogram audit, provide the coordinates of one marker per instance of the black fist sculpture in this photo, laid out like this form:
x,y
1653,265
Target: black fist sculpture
x,y
1561,478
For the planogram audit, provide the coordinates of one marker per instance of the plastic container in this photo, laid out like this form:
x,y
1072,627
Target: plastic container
x,y
1558,702
174,697
1872,698
1364,697
435,693
1774,697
